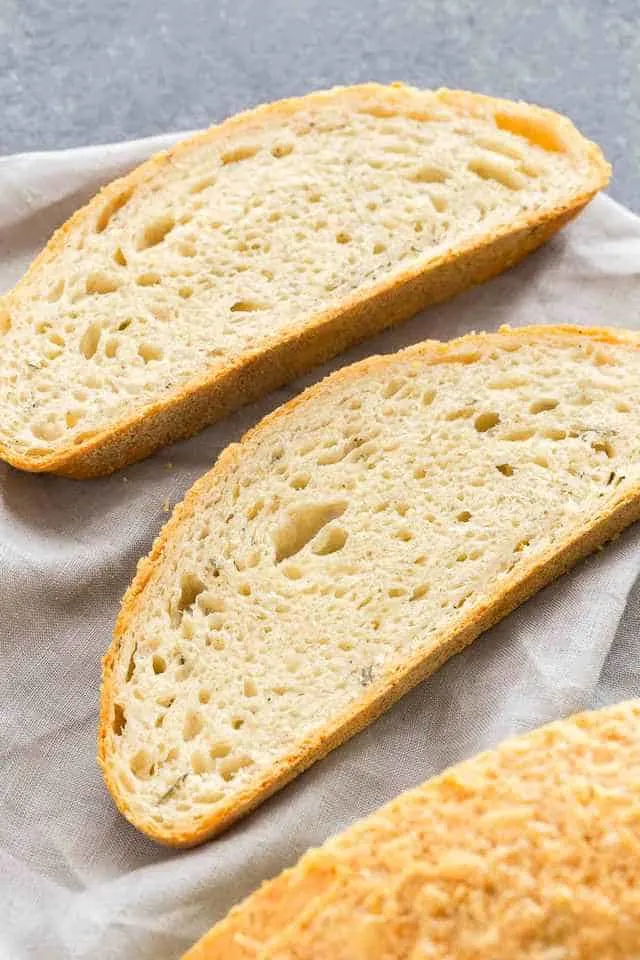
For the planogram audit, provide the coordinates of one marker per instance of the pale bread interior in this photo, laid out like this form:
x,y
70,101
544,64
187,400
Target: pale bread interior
x,y
172,276
355,530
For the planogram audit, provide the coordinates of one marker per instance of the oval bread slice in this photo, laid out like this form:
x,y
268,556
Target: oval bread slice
x,y
356,539
239,259
528,851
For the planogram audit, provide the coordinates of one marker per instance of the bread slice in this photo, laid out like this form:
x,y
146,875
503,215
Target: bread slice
x,y
227,266
356,539
528,851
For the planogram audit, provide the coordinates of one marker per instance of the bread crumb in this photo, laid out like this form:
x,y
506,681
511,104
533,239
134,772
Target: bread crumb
x,y
165,506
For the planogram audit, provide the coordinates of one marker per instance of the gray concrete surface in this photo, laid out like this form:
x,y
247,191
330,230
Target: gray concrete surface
x,y
85,71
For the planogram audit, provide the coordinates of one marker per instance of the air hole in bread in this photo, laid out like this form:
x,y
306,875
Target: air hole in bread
x,y
100,283
254,509
111,348
603,446
500,171
539,133
238,153
131,669
439,201
463,517
554,433
72,417
343,237
210,603
119,721
229,768
119,257
155,232
332,540
141,764
404,534
399,148
202,184
540,406
149,352
505,469
392,387
301,525
501,146
89,341
148,279
300,481
158,663
507,383
279,150
48,430
192,725
200,762
246,306
249,688
191,586
486,421
111,208
462,413
328,457
519,435
420,591
429,173
56,291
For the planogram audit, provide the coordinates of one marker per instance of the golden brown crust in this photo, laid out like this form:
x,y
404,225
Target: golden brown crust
x,y
380,696
584,799
317,339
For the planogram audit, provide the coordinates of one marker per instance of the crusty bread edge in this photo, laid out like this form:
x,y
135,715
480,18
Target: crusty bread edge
x,y
316,339
318,872
381,695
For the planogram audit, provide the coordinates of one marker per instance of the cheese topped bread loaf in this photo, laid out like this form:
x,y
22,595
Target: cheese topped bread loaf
x,y
527,852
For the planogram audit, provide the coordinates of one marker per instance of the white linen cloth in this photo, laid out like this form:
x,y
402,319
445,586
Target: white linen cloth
x,y
76,881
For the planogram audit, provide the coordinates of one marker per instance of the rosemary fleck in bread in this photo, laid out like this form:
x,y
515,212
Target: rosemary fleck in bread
x,y
225,267
530,851
354,540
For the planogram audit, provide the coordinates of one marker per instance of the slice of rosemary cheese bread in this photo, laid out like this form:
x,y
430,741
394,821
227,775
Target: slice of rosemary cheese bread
x,y
237,260
350,544
530,851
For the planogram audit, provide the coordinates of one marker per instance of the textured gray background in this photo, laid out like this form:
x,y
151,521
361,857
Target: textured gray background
x,y
85,71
